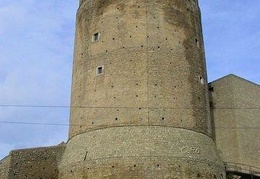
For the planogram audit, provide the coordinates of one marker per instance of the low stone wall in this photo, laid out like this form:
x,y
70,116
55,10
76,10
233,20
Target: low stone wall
x,y
4,167
34,163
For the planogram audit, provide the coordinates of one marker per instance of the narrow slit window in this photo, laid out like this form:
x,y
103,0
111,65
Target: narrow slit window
x,y
95,37
100,70
197,43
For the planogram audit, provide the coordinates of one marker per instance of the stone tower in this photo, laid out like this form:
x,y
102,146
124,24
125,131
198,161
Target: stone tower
x,y
139,95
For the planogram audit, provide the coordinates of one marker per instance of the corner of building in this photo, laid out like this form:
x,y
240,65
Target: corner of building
x,y
235,111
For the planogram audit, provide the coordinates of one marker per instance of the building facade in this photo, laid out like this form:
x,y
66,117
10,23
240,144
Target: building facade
x,y
235,110
141,104
140,94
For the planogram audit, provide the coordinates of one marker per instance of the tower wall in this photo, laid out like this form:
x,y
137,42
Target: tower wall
x,y
139,94
153,58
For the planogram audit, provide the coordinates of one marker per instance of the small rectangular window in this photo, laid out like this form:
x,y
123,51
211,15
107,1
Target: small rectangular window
x,y
100,70
201,79
95,37
197,43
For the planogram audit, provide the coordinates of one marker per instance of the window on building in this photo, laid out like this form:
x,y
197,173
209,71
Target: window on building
x,y
100,70
201,80
197,43
96,37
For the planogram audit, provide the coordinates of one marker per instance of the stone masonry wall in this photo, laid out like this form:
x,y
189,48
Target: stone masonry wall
x,y
34,163
235,110
4,167
151,55
139,93
141,152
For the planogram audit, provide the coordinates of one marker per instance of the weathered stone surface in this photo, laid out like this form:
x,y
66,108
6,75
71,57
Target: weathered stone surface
x,y
34,163
139,94
153,64
140,102
141,151
236,112
4,167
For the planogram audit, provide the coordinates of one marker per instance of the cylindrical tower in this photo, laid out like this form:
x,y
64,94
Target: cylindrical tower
x,y
139,93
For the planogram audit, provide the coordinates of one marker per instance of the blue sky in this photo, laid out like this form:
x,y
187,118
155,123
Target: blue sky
x,y
36,53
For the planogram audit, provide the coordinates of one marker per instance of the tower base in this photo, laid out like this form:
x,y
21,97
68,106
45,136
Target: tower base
x,y
144,152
